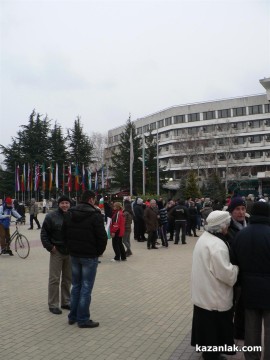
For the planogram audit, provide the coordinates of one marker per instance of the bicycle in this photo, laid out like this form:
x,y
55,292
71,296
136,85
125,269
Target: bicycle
x,y
19,243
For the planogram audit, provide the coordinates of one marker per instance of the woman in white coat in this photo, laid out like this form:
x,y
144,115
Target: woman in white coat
x,y
213,277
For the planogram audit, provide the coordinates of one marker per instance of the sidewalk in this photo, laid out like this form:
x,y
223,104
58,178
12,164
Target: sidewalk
x,y
143,306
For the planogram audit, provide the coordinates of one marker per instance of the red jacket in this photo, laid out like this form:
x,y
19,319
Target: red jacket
x,y
118,218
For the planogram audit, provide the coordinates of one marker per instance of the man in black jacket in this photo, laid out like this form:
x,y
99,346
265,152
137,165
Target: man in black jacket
x,y
251,251
60,264
181,216
86,240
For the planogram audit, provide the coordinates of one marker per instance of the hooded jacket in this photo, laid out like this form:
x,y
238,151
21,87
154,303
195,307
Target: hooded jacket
x,y
84,231
251,251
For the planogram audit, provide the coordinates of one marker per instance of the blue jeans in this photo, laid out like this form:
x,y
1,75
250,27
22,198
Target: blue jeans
x,y
83,278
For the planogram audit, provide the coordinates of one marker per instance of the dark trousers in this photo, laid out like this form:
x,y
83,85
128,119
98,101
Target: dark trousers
x,y
118,248
141,229
163,234
239,313
180,225
253,332
152,238
171,227
34,217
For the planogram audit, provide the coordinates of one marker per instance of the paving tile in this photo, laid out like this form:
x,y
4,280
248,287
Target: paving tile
x,y
143,306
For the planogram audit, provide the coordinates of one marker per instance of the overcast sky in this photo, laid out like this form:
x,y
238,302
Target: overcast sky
x,y
102,60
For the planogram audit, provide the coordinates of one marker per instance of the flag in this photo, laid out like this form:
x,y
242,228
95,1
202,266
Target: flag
x,y
107,176
51,177
102,177
77,183
23,179
43,178
69,179
131,160
56,176
63,185
18,178
29,178
36,177
89,179
83,178
96,180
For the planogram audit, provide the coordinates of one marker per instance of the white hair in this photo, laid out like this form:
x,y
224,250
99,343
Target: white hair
x,y
217,228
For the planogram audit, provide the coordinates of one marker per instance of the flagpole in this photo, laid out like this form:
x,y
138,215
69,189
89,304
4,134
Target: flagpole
x,y
143,162
15,179
131,163
157,165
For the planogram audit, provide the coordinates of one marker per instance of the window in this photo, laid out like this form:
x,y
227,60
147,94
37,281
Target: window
x,y
221,141
178,119
224,113
192,131
139,131
177,132
160,123
178,160
255,139
255,154
241,140
255,109
176,146
168,121
153,126
146,128
167,148
110,140
267,122
166,134
240,111
116,138
239,156
267,108
221,157
193,117
208,115
254,124
208,129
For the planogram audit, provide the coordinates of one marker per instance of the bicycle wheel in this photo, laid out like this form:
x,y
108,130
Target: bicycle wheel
x,y
22,246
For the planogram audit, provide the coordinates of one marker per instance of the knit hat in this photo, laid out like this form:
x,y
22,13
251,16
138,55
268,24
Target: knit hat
x,y
63,198
139,201
217,217
260,208
237,201
8,201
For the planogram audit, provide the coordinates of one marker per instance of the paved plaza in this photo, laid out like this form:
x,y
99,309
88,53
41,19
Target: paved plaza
x,y
143,306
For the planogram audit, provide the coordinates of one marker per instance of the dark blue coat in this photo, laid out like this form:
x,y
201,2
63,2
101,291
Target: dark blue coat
x,y
251,251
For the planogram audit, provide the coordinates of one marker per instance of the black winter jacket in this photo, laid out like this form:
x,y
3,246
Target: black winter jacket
x,y
51,232
84,231
180,212
251,252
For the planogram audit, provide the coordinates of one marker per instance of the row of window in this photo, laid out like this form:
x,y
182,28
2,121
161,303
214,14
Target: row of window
x,y
201,144
203,129
208,115
228,127
223,157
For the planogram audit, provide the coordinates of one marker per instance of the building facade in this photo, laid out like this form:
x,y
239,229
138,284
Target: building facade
x,y
231,137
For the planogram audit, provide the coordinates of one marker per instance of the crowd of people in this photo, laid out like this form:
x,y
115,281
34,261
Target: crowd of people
x,y
230,279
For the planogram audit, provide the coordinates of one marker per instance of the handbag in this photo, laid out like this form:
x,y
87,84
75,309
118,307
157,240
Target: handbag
x,y
114,225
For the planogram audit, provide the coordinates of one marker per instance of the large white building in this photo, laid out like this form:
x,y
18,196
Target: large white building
x,y
231,136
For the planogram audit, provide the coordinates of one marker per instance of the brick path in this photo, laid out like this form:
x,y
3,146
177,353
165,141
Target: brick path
x,y
143,306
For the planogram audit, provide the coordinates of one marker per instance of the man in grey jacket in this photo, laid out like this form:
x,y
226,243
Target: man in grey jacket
x,y
60,263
